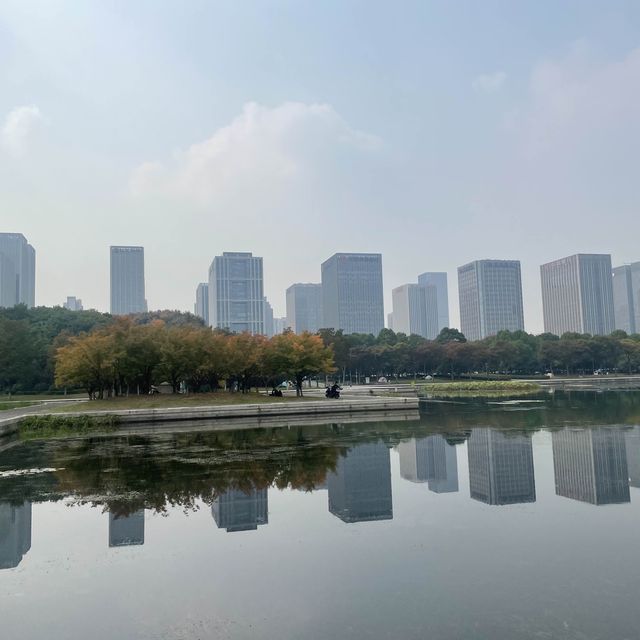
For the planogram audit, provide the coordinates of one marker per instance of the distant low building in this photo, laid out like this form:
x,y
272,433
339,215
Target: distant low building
x,y
73,304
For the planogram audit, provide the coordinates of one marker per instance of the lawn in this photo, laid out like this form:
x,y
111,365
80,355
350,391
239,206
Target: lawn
x,y
222,398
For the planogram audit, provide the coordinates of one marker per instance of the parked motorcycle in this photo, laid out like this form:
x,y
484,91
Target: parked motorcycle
x,y
333,392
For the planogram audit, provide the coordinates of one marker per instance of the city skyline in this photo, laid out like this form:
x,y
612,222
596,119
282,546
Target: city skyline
x,y
618,309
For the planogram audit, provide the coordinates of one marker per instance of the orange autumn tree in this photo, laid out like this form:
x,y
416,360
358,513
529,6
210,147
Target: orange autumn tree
x,y
297,357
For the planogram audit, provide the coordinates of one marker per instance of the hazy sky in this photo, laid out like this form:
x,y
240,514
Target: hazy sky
x,y
434,133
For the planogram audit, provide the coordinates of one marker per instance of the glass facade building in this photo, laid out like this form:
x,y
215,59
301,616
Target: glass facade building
x,y
127,281
438,279
304,307
626,297
352,297
236,293
490,293
17,271
577,295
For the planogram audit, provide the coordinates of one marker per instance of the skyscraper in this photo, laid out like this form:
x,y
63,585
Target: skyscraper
x,y
201,307
268,319
438,279
17,271
490,294
360,488
237,510
127,281
626,297
15,533
236,293
410,310
577,294
500,467
125,531
304,307
352,297
432,460
590,465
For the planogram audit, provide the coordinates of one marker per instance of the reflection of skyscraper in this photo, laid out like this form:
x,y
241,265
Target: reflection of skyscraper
x,y
360,487
431,460
632,442
590,465
500,467
236,510
128,530
15,533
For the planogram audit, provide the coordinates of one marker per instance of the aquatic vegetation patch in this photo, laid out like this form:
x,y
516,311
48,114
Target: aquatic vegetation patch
x,y
479,388
53,426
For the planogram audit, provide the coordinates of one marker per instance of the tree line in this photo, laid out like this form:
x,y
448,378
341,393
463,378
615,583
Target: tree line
x,y
125,358
30,340
508,353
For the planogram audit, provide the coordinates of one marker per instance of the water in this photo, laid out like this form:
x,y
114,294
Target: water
x,y
481,520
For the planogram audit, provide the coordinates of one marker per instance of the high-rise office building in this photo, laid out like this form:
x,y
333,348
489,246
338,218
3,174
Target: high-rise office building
x,y
268,319
201,307
577,295
304,307
15,533
125,531
73,304
127,281
415,310
490,294
432,460
237,510
438,279
590,465
626,297
17,271
408,302
500,467
352,298
236,293
360,488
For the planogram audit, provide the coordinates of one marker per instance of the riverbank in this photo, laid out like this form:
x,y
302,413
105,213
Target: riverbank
x,y
258,414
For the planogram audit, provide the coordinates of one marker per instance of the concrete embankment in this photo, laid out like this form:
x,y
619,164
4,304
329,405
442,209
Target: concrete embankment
x,y
248,415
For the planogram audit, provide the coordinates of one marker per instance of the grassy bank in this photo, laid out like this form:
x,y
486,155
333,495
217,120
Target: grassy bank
x,y
479,388
4,406
52,426
160,401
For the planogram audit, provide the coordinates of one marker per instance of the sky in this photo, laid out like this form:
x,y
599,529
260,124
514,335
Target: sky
x,y
432,132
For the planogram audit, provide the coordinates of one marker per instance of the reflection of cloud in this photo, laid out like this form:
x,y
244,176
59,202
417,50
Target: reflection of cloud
x,y
18,127
261,151
489,82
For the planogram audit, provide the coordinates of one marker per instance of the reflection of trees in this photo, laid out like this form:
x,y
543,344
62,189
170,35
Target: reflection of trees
x,y
127,473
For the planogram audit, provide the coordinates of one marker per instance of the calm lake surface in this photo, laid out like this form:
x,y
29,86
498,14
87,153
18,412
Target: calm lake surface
x,y
484,519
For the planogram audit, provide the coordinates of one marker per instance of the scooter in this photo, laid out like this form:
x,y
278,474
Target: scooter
x,y
332,392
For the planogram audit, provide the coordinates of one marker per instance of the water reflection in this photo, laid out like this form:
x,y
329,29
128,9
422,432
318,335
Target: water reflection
x,y
360,487
632,441
236,510
126,530
591,465
432,460
501,467
15,533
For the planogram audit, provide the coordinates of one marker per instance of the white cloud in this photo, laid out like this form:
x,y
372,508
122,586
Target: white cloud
x,y
19,128
578,105
489,82
262,153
